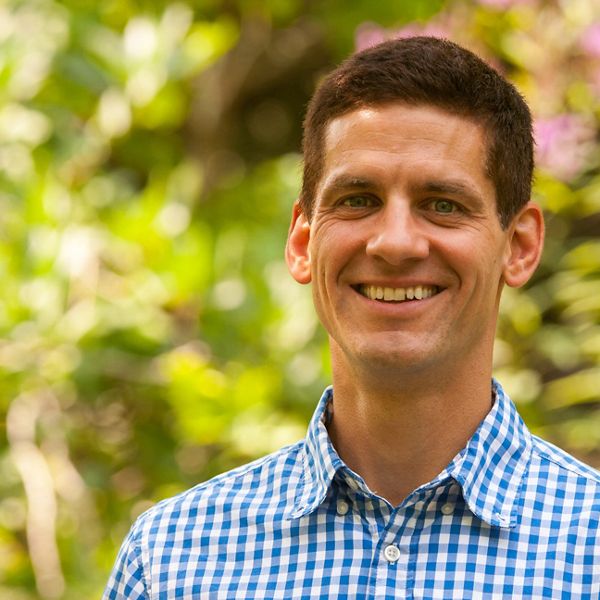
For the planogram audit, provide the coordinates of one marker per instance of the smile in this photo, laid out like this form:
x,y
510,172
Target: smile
x,y
389,294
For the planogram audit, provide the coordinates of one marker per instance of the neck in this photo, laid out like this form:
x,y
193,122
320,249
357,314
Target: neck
x,y
400,430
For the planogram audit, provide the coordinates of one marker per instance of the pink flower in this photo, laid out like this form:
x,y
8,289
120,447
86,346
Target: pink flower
x,y
590,41
503,4
431,29
563,144
371,34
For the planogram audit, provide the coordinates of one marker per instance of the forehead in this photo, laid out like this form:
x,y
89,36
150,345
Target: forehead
x,y
398,123
408,142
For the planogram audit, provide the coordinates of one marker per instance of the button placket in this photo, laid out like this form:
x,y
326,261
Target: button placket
x,y
393,556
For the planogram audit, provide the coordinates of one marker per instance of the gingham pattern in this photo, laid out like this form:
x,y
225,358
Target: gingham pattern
x,y
511,517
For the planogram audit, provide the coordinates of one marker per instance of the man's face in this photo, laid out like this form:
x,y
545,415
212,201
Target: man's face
x,y
404,250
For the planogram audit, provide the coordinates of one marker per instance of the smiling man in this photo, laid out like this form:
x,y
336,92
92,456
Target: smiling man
x,y
417,478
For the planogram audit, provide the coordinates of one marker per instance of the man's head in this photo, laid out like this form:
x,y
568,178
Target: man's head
x,y
428,71
416,208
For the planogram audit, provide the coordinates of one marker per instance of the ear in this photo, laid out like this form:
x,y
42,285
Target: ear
x,y
525,243
297,254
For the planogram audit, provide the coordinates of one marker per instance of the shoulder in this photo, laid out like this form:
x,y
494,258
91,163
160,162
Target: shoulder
x,y
267,483
202,519
558,483
561,462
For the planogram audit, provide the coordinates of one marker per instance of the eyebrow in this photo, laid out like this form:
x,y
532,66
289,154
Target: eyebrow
x,y
343,182
454,188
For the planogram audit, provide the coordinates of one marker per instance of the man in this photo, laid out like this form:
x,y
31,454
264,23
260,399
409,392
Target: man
x,y
417,478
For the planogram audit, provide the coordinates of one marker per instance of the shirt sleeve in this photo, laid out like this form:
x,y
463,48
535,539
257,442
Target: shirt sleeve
x,y
126,580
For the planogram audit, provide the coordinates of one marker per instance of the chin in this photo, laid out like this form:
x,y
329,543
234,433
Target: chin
x,y
395,360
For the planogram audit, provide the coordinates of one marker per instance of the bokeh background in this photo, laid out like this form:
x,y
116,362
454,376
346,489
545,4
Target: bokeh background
x,y
150,335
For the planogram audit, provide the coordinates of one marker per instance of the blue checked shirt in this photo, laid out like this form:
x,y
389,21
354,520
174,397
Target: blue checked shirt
x,y
510,517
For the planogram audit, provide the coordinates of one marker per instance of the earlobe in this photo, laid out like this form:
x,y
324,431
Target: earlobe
x,y
297,254
525,245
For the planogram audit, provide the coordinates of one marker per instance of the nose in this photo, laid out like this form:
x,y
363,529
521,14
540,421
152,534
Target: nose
x,y
397,234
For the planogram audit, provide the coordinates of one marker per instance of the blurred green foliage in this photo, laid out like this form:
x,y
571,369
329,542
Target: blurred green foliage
x,y
151,336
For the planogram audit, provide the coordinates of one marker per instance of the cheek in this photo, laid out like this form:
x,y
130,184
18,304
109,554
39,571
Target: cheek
x,y
324,249
319,275
482,254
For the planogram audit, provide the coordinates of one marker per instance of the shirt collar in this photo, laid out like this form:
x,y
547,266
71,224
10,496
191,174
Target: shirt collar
x,y
489,469
320,461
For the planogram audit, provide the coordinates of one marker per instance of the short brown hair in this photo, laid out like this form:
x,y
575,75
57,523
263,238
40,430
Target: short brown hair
x,y
436,72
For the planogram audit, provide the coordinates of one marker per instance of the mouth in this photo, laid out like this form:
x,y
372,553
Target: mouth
x,y
397,294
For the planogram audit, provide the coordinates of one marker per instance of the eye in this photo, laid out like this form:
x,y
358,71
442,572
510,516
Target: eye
x,y
358,201
444,207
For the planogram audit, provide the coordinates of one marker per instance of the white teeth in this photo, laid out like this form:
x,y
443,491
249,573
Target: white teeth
x,y
388,294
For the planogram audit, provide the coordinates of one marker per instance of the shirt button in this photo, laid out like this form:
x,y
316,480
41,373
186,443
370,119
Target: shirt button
x,y
448,509
391,553
503,520
342,507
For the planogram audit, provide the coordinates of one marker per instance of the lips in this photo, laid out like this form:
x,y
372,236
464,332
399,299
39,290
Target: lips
x,y
397,294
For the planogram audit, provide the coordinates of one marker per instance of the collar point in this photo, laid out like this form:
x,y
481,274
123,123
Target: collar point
x,y
505,521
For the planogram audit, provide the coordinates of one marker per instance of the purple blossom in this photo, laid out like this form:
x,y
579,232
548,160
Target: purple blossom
x,y
563,144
